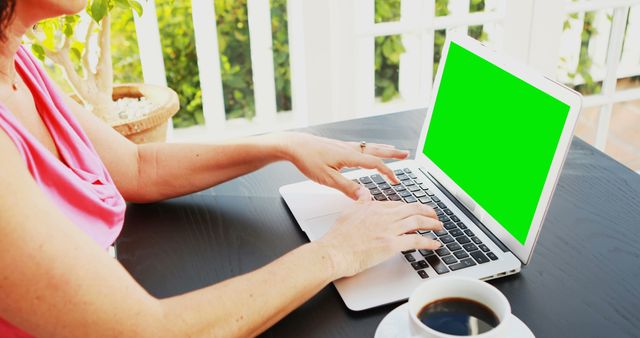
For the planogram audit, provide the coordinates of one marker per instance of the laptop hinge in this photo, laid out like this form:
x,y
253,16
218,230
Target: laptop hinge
x,y
465,210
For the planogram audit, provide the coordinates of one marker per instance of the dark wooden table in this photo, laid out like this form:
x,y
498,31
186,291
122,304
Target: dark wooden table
x,y
583,280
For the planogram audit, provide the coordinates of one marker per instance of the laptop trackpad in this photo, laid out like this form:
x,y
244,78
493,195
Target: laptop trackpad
x,y
309,200
317,227
390,281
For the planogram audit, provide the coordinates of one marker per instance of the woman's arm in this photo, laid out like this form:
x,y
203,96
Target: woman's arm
x,y
56,281
168,170
153,172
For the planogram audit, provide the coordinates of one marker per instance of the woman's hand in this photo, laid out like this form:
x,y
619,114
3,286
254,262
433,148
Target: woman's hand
x,y
370,232
321,159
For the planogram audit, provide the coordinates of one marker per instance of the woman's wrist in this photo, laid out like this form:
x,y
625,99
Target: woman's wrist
x,y
330,257
279,144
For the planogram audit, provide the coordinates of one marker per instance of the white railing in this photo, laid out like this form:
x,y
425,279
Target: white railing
x,y
417,26
332,43
598,44
617,24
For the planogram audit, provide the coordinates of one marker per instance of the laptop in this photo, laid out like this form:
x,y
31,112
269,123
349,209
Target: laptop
x,y
491,149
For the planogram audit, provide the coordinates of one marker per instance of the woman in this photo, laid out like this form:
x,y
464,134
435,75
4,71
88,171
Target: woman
x,y
65,177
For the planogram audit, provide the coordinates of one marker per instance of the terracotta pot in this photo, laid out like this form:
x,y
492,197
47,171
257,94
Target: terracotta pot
x,y
153,126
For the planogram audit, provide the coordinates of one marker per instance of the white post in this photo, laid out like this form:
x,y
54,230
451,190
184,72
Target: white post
x,y
297,62
324,59
517,28
149,45
206,36
344,59
259,17
570,49
546,32
495,31
599,44
630,61
311,57
428,49
458,8
609,84
330,61
150,49
416,63
365,54
532,32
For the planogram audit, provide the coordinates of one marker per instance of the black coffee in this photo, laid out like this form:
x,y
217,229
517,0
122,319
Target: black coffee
x,y
458,316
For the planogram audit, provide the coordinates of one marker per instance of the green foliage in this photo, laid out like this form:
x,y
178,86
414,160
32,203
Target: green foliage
x,y
97,9
124,47
47,35
180,59
584,61
388,50
439,37
181,66
66,24
477,32
176,30
442,9
178,46
48,39
280,33
387,10
235,58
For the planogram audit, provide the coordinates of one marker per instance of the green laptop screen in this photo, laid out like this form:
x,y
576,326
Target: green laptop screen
x,y
495,136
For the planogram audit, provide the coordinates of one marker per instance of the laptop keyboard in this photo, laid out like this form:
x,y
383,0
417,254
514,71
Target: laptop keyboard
x,y
460,247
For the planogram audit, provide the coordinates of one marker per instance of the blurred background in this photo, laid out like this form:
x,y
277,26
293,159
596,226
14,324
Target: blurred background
x,y
243,67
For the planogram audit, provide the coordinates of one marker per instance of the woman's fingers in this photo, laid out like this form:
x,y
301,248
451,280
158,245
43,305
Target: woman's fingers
x,y
408,242
372,162
411,209
386,152
347,186
382,145
417,222
363,194
382,150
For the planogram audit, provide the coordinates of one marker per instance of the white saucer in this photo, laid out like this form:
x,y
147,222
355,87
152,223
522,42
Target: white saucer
x,y
396,325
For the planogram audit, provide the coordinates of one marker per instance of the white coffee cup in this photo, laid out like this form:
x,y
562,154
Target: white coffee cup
x,y
458,287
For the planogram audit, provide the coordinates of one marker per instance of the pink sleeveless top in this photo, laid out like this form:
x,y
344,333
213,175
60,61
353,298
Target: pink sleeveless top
x,y
80,185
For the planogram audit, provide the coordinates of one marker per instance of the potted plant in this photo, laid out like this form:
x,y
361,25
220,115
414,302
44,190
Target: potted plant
x,y
138,111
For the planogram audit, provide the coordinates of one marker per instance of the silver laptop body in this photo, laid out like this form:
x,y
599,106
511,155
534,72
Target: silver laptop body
x,y
316,208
